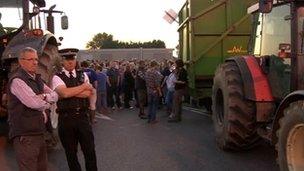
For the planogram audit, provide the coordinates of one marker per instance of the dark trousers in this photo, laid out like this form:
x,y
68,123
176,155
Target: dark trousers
x,y
113,91
74,129
101,102
127,97
31,153
153,101
142,100
136,98
177,103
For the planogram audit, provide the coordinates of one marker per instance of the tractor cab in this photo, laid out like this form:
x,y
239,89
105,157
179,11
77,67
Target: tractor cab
x,y
279,31
271,44
8,13
272,32
24,20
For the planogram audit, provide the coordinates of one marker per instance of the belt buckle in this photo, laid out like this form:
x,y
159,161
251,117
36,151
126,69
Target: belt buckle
x,y
77,111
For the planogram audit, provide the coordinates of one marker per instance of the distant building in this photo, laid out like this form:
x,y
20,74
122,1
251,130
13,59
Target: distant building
x,y
158,54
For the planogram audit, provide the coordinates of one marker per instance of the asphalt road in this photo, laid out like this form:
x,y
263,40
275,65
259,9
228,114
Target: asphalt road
x,y
125,142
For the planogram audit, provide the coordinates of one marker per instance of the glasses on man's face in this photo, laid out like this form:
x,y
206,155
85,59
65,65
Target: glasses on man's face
x,y
30,59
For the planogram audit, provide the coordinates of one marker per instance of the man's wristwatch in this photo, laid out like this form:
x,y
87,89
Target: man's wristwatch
x,y
44,96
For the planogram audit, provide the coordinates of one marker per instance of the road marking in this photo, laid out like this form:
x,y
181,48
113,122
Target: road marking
x,y
102,116
197,111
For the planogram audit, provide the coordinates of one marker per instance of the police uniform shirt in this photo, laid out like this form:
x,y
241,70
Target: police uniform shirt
x,y
57,81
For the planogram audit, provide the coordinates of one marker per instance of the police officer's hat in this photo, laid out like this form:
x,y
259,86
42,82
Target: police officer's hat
x,y
68,53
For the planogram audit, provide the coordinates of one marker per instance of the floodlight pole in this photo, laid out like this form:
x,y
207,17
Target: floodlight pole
x,y
141,53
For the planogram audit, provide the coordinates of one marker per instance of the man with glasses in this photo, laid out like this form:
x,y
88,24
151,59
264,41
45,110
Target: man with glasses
x,y
28,98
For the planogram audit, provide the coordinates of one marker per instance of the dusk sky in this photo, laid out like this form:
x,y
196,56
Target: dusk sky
x,y
126,20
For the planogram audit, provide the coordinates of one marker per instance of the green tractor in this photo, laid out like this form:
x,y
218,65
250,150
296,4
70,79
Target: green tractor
x,y
260,95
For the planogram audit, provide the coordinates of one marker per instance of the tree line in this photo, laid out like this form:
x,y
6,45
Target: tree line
x,y
106,41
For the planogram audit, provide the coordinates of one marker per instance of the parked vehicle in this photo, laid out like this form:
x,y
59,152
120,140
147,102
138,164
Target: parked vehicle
x,y
260,95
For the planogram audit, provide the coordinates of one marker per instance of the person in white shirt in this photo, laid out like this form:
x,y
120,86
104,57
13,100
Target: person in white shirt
x,y
170,82
73,107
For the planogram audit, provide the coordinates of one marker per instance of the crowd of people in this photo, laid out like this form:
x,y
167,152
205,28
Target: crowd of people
x,y
80,90
138,83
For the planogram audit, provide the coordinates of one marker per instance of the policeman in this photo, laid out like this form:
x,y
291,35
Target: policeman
x,y
74,127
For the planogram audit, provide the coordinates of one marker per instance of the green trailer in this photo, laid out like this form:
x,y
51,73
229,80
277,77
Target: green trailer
x,y
209,32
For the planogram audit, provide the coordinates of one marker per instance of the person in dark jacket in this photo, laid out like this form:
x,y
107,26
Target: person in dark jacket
x,y
101,103
28,98
141,89
128,86
113,83
180,90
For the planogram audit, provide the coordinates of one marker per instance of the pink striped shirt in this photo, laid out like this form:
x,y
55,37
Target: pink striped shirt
x,y
29,98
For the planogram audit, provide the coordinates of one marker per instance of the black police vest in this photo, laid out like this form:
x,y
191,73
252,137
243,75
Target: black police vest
x,y
72,103
22,119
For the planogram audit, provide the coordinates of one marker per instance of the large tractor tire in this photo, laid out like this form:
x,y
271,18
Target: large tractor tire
x,y
47,66
233,115
48,62
290,145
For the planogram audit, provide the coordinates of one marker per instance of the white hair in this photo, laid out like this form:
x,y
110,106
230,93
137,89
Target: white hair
x,y
25,50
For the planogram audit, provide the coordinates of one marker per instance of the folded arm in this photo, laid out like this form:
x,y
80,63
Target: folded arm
x,y
67,92
82,91
51,95
27,96
84,94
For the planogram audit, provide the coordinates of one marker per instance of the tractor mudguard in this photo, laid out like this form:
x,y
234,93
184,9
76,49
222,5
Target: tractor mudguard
x,y
292,97
25,39
256,86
